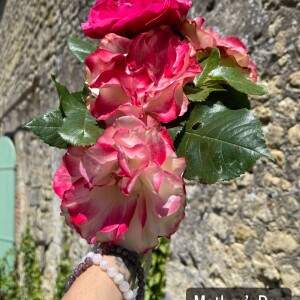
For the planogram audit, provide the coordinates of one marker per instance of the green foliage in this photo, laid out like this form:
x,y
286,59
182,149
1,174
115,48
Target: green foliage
x,y
220,138
9,277
236,80
80,49
220,144
9,288
61,89
64,268
70,124
46,128
156,278
33,276
80,128
203,94
215,78
72,102
232,99
175,131
208,65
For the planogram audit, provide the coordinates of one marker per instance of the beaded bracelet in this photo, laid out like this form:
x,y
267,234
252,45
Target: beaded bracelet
x,y
96,258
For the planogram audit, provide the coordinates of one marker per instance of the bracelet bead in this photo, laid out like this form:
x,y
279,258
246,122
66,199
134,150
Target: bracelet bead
x,y
82,267
128,295
90,254
124,286
104,265
111,272
118,278
76,273
97,258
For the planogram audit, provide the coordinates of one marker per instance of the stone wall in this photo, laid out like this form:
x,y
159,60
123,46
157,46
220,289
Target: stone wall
x,y
244,233
33,37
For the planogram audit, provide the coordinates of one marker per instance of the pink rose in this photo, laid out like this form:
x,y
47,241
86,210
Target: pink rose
x,y
143,75
129,17
127,188
233,52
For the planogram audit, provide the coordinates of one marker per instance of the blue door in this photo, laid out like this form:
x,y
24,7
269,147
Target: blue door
x,y
7,194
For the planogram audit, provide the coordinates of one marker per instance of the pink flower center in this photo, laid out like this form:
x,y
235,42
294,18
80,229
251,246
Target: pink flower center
x,y
133,67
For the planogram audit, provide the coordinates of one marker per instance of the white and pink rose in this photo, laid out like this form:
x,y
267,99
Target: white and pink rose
x,y
233,52
127,188
145,75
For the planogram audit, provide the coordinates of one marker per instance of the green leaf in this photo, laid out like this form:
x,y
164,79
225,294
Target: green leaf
x,y
80,128
80,49
204,93
61,89
235,79
72,102
211,63
85,91
46,128
220,144
174,132
231,98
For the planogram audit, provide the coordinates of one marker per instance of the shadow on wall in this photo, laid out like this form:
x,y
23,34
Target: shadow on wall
x,y
2,7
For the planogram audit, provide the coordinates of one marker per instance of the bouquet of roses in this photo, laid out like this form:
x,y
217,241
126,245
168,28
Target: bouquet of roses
x,y
164,99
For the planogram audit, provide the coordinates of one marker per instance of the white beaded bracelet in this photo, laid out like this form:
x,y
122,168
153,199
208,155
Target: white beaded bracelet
x,y
96,258
117,277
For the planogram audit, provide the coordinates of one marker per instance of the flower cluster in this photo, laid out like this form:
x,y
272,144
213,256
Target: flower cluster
x,y
139,125
128,187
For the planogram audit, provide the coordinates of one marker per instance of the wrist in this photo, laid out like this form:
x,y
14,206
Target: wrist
x,y
122,266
